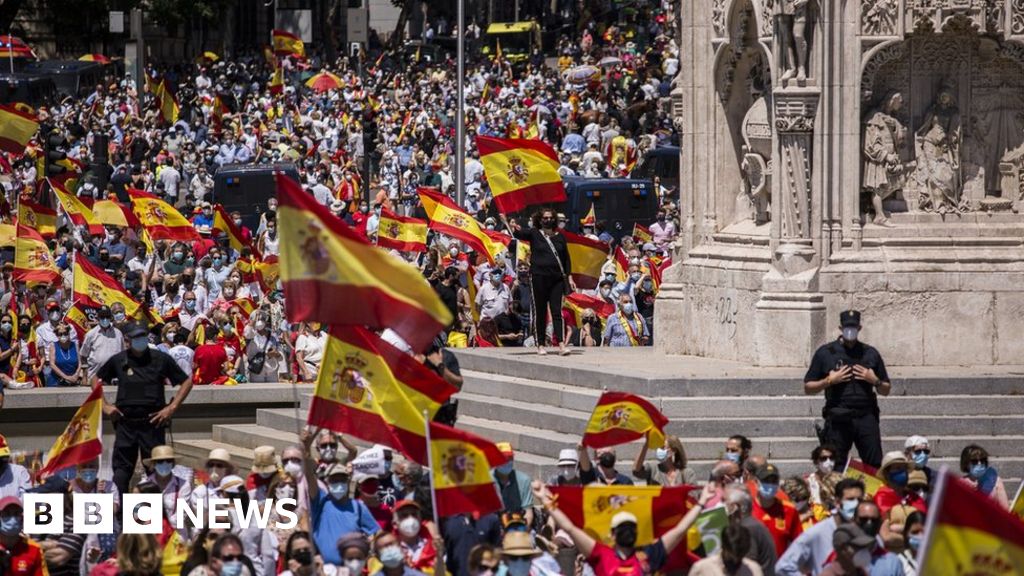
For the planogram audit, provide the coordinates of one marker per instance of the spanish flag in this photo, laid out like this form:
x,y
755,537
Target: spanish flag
x,y
401,233
522,246
8,235
175,550
277,80
77,212
166,100
322,257
446,218
39,217
82,439
245,305
969,533
78,317
160,219
223,223
577,302
461,464
586,258
113,213
621,264
32,259
520,172
865,473
1017,506
620,417
405,126
590,219
657,509
642,234
17,127
369,389
95,288
287,44
268,272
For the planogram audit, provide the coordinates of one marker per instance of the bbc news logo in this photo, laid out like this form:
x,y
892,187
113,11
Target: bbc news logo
x,y
144,514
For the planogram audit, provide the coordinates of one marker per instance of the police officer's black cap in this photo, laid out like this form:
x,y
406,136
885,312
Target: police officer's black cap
x,y
135,331
849,318
104,312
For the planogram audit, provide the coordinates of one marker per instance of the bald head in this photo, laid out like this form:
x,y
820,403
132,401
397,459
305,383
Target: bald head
x,y
725,472
754,462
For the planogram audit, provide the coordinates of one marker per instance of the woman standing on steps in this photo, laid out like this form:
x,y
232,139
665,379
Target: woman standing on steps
x,y
549,273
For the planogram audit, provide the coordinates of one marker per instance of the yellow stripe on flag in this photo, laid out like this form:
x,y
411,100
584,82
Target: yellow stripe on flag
x,y
81,440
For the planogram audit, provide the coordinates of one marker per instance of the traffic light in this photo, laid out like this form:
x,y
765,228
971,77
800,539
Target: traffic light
x,y
54,146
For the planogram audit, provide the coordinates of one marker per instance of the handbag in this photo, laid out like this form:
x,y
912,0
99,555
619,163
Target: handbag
x,y
259,359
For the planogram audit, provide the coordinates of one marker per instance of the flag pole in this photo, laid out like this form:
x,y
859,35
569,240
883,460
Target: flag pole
x,y
460,108
430,451
932,518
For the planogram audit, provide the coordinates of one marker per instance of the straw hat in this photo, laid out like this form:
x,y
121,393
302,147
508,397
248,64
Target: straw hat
x,y
264,459
519,544
160,453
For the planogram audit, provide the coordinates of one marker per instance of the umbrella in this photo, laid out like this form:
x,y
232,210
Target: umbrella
x,y
325,81
540,109
608,61
581,74
95,58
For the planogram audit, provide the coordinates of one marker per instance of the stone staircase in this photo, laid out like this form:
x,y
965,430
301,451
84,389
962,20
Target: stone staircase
x,y
542,404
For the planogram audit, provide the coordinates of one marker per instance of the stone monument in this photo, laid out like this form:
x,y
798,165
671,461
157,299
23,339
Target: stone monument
x,y
860,154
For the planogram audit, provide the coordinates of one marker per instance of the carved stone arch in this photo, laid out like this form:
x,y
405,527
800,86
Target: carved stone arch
x,y
761,14
742,21
873,61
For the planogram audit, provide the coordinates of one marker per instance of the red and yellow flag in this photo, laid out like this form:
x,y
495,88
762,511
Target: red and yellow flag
x,y
461,464
865,473
95,288
642,234
373,391
166,99
577,302
620,417
78,317
590,219
32,259
175,550
322,257
586,258
520,172
82,439
113,213
39,217
223,223
447,218
287,44
657,509
969,533
17,127
78,212
401,233
160,219
277,80
621,264
8,235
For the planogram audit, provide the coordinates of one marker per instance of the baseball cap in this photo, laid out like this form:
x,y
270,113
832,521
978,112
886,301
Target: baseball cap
x,y
568,457
622,518
915,441
766,472
851,535
135,331
407,504
10,501
505,448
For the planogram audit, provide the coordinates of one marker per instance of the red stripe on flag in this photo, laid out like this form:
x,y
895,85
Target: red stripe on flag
x,y
482,498
488,145
516,200
368,426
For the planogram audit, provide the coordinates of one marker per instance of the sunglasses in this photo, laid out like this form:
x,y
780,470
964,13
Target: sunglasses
x,y
231,558
332,445
923,451
979,461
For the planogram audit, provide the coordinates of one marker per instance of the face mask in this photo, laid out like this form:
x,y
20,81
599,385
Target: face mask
x,y
64,339
140,344
54,316
518,566
238,222
870,526
609,277
339,490
6,326
862,559
490,226
627,309
294,468
272,232
606,460
850,334
635,276
218,261
409,527
391,557
260,325
661,218
454,252
978,470
648,285
625,537
661,454
11,526
179,256
104,322
119,317
898,478
914,542
547,224
163,469
304,557
327,453
768,490
355,566
505,468
848,508
284,491
606,292
567,472
920,459
733,457
826,466
213,474
88,475
226,329
233,568
399,487
23,329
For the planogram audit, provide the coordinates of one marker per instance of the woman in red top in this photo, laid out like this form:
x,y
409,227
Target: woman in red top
x,y
368,487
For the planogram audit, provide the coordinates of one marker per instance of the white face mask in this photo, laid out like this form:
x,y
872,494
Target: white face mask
x,y
409,527
295,469
850,333
284,491
826,466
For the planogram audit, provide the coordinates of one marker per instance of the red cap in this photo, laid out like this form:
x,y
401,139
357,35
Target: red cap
x,y
10,501
403,503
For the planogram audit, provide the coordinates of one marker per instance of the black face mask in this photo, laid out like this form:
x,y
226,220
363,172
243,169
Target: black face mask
x,y
23,329
3,465
549,224
607,460
870,526
304,557
625,536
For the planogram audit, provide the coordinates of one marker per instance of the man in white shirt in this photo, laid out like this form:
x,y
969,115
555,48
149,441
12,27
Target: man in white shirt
x,y
101,342
493,296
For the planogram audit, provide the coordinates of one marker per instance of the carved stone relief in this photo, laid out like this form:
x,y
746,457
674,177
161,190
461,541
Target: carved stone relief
x,y
767,20
1017,17
796,20
923,15
718,18
794,123
754,200
879,17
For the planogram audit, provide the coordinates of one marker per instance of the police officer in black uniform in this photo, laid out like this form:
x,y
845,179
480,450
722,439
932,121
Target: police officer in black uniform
x,y
852,374
140,414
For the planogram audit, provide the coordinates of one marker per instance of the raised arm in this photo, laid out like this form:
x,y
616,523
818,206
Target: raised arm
x,y
584,542
677,534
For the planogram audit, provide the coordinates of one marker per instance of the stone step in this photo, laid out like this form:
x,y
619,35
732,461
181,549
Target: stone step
x,y
193,453
581,398
642,372
568,421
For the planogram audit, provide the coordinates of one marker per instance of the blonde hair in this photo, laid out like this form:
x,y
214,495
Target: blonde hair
x,y
138,554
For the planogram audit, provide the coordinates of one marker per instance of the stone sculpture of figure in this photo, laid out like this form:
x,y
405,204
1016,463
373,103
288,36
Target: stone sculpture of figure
x,y
795,28
884,138
938,149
